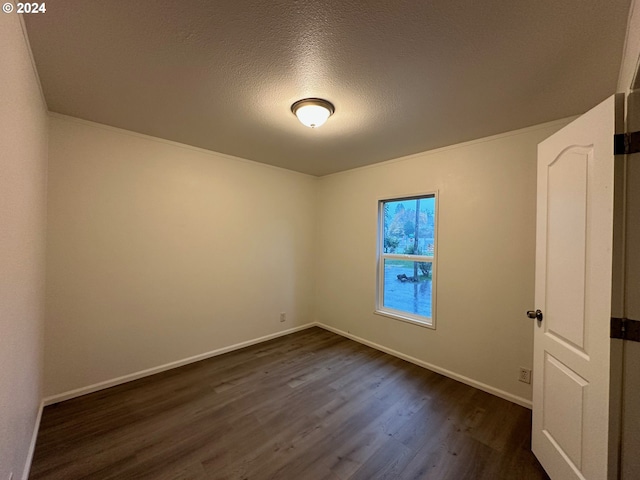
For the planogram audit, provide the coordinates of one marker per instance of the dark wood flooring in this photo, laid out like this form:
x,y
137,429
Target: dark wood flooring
x,y
309,406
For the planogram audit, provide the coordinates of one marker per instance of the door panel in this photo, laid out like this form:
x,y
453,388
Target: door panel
x,y
573,289
563,414
566,245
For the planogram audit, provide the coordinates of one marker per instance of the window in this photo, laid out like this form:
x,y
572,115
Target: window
x,y
407,259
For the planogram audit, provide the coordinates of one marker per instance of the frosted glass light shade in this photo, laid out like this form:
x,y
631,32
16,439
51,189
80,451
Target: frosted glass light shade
x,y
312,112
312,115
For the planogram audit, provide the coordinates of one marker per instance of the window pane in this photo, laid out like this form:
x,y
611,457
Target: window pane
x,y
407,286
409,226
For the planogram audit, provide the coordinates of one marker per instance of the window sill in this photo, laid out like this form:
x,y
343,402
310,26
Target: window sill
x,y
403,318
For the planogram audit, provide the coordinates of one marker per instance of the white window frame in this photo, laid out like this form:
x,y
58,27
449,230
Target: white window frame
x,y
381,256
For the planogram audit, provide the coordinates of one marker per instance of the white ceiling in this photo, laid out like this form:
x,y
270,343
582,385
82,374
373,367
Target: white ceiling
x,y
404,76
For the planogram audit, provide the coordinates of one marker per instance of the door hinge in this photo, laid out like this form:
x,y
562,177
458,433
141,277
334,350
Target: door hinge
x,y
626,143
625,329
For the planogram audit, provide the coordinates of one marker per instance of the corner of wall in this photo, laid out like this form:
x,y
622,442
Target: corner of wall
x,y
24,139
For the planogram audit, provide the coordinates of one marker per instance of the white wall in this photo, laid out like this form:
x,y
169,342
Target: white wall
x,y
23,157
157,252
486,249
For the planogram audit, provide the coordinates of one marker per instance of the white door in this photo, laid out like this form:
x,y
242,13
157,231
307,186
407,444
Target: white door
x,y
573,289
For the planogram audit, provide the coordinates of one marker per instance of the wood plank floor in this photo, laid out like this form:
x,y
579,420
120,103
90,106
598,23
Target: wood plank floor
x,y
309,406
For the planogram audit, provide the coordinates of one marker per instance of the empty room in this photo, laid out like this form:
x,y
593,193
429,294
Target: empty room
x,y
320,240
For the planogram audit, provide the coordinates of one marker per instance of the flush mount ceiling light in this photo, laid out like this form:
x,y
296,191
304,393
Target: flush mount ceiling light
x,y
312,112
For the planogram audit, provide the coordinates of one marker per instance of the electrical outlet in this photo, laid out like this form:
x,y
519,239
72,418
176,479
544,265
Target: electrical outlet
x,y
524,375
283,317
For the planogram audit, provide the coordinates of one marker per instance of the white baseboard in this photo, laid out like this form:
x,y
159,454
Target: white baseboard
x,y
447,373
32,445
167,366
179,363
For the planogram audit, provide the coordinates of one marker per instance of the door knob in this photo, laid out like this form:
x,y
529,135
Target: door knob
x,y
537,314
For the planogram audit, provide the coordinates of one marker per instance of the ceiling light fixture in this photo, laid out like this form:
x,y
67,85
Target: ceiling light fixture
x,y
312,112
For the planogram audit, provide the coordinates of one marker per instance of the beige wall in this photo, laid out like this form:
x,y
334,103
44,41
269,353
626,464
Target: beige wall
x,y
23,157
486,253
158,252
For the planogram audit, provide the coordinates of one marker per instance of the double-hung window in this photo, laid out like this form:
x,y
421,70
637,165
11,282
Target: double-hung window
x,y
407,258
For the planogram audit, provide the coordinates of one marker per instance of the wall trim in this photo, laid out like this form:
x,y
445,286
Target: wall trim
x,y
167,366
32,446
213,353
185,146
429,366
33,62
628,78
561,122
203,356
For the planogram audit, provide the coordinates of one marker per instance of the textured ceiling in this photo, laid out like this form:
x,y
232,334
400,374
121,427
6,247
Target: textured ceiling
x,y
404,76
